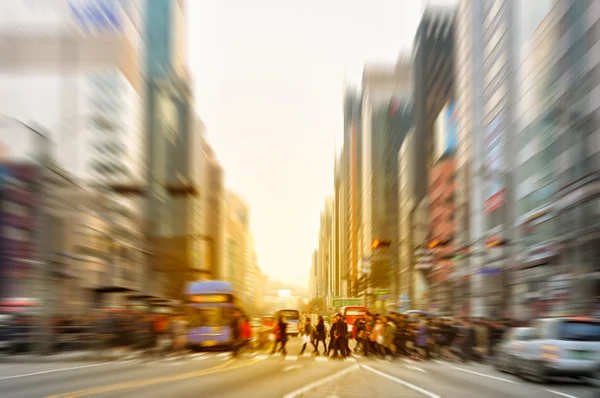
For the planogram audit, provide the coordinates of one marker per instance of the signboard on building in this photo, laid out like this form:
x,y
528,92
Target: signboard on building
x,y
343,302
446,130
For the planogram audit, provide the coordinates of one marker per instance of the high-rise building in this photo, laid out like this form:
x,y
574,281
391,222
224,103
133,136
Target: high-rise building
x,y
469,208
527,100
215,216
90,103
382,86
406,206
325,250
339,236
433,88
556,169
442,221
350,192
237,242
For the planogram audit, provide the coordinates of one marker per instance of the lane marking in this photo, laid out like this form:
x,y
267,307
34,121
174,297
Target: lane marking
x,y
560,393
148,382
440,362
292,367
200,358
409,361
400,381
415,368
317,383
484,375
62,370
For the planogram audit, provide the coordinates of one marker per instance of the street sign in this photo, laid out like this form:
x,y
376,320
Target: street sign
x,y
381,292
347,301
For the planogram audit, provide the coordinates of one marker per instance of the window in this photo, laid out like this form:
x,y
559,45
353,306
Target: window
x,y
579,331
202,317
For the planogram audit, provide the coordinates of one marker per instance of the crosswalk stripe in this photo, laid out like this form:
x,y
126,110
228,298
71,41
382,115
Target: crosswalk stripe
x,y
291,358
262,356
223,354
322,359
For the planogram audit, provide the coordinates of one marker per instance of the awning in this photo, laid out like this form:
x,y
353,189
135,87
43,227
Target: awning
x,y
113,289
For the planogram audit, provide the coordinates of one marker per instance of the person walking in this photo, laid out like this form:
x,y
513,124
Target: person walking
x,y
422,339
280,336
332,337
389,332
236,332
307,332
321,335
283,338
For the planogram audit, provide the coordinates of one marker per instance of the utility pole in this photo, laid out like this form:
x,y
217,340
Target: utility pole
x,y
44,240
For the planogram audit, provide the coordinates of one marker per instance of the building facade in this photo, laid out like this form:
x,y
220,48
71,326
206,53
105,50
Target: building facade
x,y
88,102
433,57
351,186
380,146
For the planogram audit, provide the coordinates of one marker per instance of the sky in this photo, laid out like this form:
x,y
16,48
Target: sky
x,y
269,77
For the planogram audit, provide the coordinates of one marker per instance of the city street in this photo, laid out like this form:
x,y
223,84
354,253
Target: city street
x,y
214,374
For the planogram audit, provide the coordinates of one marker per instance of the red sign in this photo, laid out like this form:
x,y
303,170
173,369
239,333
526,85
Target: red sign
x,y
495,202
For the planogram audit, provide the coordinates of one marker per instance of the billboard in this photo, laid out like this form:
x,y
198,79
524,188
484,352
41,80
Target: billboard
x,y
446,130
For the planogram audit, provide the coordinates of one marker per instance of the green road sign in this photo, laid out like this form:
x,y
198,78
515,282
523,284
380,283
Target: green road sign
x,y
381,292
346,301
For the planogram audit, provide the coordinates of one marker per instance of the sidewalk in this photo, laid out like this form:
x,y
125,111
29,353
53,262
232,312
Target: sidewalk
x,y
73,356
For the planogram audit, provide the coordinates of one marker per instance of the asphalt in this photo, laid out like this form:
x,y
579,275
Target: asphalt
x,y
260,375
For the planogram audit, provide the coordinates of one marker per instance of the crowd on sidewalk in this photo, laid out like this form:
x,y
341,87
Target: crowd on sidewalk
x,y
104,331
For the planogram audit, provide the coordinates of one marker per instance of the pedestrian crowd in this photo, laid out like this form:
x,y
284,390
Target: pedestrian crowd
x,y
105,332
397,335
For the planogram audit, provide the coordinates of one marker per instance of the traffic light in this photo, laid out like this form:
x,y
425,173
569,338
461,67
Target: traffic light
x,y
490,244
433,244
377,244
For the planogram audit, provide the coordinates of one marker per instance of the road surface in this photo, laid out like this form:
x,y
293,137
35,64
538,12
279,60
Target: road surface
x,y
213,374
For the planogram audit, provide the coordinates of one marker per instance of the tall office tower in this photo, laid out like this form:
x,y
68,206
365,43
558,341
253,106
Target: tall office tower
x,y
434,88
74,70
380,147
351,185
557,163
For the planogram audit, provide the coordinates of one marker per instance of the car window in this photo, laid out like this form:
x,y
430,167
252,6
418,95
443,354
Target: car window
x,y
579,331
523,334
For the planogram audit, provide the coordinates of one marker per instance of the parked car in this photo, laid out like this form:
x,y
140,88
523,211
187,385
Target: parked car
x,y
561,347
511,348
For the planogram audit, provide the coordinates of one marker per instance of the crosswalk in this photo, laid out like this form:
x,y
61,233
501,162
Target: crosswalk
x,y
410,364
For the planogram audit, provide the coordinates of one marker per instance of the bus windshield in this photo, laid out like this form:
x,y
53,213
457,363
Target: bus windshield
x,y
290,315
202,317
